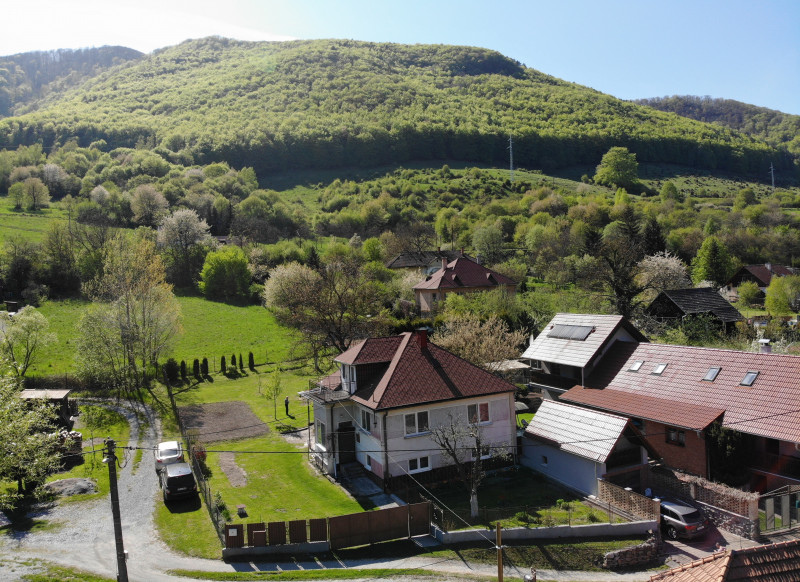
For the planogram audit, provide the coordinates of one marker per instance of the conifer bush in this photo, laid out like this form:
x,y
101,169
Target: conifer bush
x,y
222,367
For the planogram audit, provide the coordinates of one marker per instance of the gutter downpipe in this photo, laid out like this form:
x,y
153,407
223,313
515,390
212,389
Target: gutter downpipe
x,y
385,453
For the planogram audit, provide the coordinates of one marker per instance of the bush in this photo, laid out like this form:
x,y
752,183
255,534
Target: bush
x,y
183,370
196,368
233,362
592,517
222,367
204,367
251,361
241,362
171,371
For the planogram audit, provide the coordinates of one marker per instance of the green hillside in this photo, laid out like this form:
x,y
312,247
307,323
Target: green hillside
x,y
337,103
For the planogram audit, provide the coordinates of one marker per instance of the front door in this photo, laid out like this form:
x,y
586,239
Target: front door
x,y
346,443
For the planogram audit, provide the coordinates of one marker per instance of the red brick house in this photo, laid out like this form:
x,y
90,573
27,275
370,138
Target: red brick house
x,y
462,275
674,394
379,408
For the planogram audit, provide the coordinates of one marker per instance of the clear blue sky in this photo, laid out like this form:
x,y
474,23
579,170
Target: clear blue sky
x,y
748,50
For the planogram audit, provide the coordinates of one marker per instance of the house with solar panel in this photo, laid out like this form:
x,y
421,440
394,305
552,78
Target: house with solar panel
x,y
378,408
676,397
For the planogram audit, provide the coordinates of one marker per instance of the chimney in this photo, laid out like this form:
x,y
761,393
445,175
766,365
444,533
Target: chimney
x,y
769,267
462,251
422,338
765,347
444,263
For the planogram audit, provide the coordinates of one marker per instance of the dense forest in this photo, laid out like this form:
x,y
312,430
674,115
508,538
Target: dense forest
x,y
338,103
28,78
774,127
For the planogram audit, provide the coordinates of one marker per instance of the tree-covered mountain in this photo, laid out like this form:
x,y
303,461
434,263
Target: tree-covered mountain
x,y
774,127
339,103
26,78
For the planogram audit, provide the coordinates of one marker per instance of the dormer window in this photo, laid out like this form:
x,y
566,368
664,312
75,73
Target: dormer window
x,y
749,378
636,365
711,375
659,369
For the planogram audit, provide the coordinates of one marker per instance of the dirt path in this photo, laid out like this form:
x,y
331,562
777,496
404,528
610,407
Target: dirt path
x,y
237,476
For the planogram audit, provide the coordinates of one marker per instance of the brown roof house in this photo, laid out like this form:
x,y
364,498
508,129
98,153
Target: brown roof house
x,y
424,262
761,275
677,304
461,275
675,394
768,563
379,407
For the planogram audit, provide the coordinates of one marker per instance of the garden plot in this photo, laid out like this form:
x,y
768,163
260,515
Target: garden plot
x,y
221,421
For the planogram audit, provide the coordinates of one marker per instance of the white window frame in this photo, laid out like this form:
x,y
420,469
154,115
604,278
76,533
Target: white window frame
x,y
417,423
636,366
474,411
418,463
366,420
659,369
321,434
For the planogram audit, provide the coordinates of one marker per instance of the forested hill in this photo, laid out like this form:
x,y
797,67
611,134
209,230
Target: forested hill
x,y
337,103
772,126
26,78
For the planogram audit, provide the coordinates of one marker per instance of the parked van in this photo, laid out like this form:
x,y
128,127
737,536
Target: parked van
x,y
177,481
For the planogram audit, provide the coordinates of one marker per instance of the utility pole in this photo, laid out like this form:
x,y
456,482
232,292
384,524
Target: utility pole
x,y
111,460
772,173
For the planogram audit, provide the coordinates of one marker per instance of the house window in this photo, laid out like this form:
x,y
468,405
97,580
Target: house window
x,y
366,420
416,423
418,465
659,369
711,375
478,412
544,460
676,437
434,298
368,463
636,365
345,370
321,433
749,378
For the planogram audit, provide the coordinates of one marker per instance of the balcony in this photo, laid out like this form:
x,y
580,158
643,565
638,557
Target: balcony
x,y
324,393
540,380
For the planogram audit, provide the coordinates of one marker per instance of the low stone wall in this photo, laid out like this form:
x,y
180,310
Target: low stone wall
x,y
732,522
595,530
641,555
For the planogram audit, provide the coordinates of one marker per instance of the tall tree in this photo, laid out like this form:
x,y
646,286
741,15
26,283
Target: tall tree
x,y
783,296
36,193
184,239
225,274
483,343
653,240
149,205
618,168
713,263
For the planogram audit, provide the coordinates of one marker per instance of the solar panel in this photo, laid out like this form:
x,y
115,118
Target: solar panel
x,y
570,332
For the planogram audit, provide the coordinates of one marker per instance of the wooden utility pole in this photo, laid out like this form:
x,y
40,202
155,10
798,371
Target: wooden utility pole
x,y
499,553
111,460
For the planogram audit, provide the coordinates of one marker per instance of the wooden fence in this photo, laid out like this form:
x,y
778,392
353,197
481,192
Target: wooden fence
x,y
343,531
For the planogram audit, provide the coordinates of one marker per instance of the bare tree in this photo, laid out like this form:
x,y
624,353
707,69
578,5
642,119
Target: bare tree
x,y
662,272
148,205
483,343
36,193
272,388
461,441
22,337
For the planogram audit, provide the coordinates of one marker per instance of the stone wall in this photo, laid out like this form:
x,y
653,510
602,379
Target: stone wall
x,y
732,522
633,557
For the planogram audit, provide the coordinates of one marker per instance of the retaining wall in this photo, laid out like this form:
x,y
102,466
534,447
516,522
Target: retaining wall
x,y
594,530
640,555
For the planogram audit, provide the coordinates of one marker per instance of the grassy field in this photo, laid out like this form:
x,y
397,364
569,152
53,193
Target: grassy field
x,y
25,224
211,330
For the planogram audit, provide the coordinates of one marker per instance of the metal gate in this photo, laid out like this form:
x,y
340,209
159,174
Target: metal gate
x,y
780,509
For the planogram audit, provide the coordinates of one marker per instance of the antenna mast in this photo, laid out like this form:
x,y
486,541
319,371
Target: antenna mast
x,y
511,157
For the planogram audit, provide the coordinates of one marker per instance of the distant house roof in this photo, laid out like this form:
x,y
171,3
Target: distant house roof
x,y
693,302
758,393
464,273
418,372
761,274
423,259
573,339
768,563
580,431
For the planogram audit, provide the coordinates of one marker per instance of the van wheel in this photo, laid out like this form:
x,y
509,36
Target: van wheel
x,y
672,533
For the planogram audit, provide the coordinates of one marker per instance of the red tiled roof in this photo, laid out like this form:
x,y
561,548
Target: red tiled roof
x,y
769,408
768,563
418,375
464,273
761,273
370,351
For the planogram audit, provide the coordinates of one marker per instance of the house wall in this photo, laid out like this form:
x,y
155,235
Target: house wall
x,y
573,471
501,428
690,457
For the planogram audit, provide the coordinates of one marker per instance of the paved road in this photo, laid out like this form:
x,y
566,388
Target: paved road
x,y
85,538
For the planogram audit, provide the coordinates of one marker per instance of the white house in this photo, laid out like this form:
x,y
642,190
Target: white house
x,y
378,409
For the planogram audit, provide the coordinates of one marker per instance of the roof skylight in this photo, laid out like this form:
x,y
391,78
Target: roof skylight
x,y
659,369
636,365
749,378
711,375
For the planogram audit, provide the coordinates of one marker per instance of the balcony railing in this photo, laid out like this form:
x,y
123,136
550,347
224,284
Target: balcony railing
x,y
324,395
539,380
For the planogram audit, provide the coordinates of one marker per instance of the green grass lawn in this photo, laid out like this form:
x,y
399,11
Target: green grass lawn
x,y
50,572
25,224
184,526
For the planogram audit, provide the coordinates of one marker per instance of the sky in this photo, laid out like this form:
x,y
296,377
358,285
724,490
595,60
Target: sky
x,y
745,50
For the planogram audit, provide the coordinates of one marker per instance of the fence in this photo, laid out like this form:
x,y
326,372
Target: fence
x,y
342,531
628,501
780,510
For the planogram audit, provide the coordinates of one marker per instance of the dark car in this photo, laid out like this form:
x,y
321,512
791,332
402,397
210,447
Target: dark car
x,y
681,520
177,481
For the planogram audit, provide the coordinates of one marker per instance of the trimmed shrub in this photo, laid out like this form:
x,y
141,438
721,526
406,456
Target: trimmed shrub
x,y
251,361
241,362
183,370
233,361
204,367
171,371
222,367
196,368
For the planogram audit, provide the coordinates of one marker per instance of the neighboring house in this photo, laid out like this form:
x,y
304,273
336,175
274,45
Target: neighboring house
x,y
570,346
677,304
674,394
378,409
575,446
424,262
461,275
768,563
761,275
